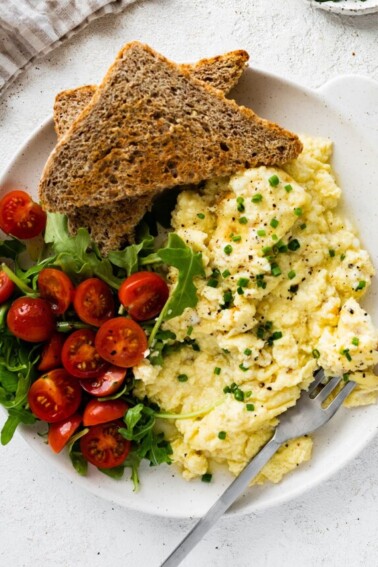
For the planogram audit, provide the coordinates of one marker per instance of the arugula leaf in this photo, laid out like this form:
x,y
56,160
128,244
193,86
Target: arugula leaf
x,y
189,265
77,255
11,248
130,257
115,472
147,444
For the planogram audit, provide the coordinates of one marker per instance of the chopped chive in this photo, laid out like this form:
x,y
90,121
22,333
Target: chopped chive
x,y
217,370
206,477
227,390
346,353
236,238
361,284
274,237
276,270
222,435
200,215
261,232
267,250
342,257
247,352
291,274
257,198
303,226
281,247
274,180
189,330
216,272
275,336
195,346
227,249
250,407
261,283
226,273
293,245
274,223
182,378
288,188
243,282
248,394
355,341
212,282
240,204
298,211
242,367
240,290
315,353
346,377
243,220
331,252
239,395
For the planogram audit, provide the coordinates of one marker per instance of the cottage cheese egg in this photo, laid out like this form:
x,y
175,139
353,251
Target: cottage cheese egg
x,y
284,273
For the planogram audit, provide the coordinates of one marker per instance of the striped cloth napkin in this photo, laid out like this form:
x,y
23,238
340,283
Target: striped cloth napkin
x,y
29,28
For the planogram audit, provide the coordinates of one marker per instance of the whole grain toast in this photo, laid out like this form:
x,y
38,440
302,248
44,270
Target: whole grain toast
x,y
222,72
112,226
151,126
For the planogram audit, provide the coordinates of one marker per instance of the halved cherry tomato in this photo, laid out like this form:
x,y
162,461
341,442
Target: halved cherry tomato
x,y
144,295
20,216
104,447
101,412
80,357
94,302
60,432
121,341
107,383
7,287
51,356
56,287
54,396
31,319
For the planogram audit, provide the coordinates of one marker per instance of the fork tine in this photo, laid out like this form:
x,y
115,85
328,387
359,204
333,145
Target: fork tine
x,y
328,388
338,400
319,376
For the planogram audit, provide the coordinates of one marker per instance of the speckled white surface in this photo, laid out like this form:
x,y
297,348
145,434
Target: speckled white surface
x,y
47,520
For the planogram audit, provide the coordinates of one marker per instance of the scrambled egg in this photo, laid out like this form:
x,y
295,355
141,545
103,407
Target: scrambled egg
x,y
284,273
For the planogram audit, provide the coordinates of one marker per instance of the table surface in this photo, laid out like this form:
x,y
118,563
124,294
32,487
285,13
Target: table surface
x,y
46,518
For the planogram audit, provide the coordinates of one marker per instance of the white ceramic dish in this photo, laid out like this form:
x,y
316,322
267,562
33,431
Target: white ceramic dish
x,y
341,110
347,7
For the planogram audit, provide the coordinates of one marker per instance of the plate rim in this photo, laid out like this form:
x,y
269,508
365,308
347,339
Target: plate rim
x,y
335,8
278,500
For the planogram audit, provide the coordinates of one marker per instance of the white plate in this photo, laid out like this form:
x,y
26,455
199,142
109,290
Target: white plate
x,y
347,7
341,110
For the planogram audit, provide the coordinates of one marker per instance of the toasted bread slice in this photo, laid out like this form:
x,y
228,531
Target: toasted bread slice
x,y
222,72
151,126
113,226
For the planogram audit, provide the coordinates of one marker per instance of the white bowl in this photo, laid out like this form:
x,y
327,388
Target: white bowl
x,y
347,7
341,110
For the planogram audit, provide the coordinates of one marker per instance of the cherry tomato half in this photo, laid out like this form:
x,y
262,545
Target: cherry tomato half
x,y
104,446
121,341
80,357
31,319
144,295
20,216
51,356
101,412
56,287
60,432
94,302
54,396
107,383
7,287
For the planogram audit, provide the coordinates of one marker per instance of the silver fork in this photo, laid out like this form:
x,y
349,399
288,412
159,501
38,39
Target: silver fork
x,y
305,417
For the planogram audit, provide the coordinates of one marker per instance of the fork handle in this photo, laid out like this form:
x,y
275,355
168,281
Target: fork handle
x,y
232,493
